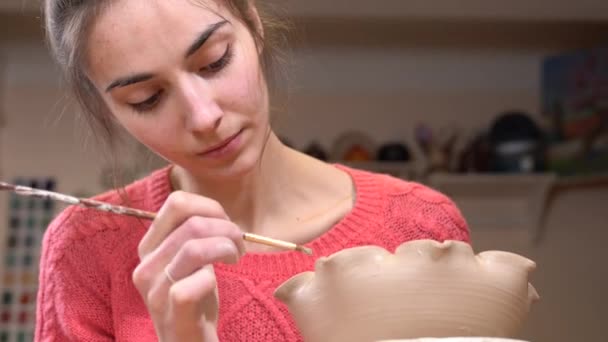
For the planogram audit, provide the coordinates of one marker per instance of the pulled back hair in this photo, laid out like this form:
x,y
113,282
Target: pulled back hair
x,y
68,24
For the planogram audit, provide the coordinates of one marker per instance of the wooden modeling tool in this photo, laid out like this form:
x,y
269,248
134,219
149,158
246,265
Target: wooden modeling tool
x,y
116,209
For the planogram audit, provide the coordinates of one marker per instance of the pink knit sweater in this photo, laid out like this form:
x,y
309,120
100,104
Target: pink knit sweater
x,y
86,292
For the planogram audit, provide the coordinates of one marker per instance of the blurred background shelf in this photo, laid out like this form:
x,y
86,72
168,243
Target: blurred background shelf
x,y
495,201
492,201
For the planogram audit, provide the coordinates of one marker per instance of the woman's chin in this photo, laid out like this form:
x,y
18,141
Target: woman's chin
x,y
230,170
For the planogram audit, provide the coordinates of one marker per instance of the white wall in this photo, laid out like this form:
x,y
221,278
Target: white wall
x,y
386,92
41,136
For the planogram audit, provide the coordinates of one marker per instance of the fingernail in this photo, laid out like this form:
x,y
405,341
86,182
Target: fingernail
x,y
228,248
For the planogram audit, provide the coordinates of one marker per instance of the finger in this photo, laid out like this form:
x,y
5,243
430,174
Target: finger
x,y
193,229
178,207
195,254
145,275
193,299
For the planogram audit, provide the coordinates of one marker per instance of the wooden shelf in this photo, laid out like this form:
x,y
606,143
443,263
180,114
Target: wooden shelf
x,y
495,201
583,181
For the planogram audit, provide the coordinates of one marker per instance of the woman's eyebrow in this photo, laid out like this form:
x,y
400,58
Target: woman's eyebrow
x,y
125,81
203,37
194,47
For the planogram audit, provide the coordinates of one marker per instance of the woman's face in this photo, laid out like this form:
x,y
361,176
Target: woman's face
x,y
183,77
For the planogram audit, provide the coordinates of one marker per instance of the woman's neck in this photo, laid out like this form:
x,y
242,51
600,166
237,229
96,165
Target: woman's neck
x,y
249,198
288,195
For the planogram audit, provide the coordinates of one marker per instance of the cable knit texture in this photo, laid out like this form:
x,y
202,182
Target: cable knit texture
x,y
86,292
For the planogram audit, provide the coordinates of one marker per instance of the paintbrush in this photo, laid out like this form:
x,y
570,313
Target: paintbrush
x,y
116,209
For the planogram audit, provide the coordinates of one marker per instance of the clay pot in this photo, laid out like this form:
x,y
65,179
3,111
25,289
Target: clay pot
x,y
425,289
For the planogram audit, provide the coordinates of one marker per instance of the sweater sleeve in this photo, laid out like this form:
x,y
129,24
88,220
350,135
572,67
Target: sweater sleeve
x,y
73,295
414,211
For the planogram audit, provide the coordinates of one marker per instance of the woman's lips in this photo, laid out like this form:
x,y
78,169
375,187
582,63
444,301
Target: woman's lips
x,y
224,147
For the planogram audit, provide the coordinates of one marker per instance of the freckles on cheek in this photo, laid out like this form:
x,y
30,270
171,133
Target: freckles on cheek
x,y
243,87
234,95
242,91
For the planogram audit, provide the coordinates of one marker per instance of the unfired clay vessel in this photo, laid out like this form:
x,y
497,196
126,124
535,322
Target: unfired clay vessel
x,y
425,289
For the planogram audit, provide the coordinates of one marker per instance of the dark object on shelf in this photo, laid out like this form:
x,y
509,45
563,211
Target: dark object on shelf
x,y
393,152
437,147
424,138
353,146
316,150
516,144
357,153
476,156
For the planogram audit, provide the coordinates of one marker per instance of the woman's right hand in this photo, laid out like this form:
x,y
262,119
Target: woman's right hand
x,y
175,276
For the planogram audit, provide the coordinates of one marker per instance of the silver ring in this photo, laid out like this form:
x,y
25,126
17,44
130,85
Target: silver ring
x,y
169,276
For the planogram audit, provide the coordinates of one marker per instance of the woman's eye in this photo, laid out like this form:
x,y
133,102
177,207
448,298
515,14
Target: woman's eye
x,y
220,63
148,104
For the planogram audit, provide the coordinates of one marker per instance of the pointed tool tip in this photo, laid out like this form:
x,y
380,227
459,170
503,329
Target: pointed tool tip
x,y
304,250
6,186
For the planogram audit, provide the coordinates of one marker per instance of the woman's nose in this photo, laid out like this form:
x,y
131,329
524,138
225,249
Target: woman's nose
x,y
201,110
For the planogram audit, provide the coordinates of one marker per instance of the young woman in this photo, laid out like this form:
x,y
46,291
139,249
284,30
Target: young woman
x,y
190,80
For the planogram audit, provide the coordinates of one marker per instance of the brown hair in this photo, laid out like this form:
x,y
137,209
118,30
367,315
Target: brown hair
x,y
67,25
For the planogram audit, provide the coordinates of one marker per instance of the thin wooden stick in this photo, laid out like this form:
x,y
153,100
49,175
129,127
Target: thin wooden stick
x,y
120,210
